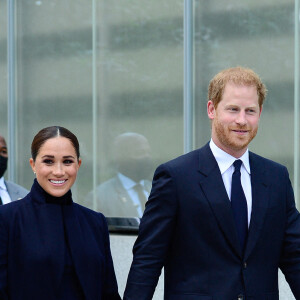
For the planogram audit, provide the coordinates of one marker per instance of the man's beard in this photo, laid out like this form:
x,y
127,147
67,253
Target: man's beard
x,y
228,138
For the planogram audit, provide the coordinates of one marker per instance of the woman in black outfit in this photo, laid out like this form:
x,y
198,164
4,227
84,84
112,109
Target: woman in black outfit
x,y
50,247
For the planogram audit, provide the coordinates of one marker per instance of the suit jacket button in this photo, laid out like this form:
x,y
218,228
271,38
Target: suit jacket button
x,y
240,297
245,265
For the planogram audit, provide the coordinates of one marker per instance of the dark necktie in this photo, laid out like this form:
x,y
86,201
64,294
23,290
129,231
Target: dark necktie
x,y
140,191
239,204
1,201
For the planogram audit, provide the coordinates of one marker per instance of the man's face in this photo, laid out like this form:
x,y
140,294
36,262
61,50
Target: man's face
x,y
3,148
3,156
235,120
135,162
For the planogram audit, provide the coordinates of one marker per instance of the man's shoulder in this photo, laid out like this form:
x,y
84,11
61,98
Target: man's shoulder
x,y
14,188
105,189
264,162
190,157
14,185
111,183
268,169
83,210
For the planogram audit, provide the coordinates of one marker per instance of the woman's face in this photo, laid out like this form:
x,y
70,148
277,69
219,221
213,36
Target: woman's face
x,y
56,166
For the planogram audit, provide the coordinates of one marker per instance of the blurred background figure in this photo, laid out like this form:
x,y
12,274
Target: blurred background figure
x,y
9,191
126,193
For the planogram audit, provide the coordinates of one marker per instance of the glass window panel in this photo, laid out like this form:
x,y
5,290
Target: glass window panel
x,y
3,68
139,88
139,78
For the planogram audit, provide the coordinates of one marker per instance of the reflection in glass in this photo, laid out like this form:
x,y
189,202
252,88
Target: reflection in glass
x,y
125,194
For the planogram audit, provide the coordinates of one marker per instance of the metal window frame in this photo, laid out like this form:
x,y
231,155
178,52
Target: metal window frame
x,y
12,107
296,104
188,86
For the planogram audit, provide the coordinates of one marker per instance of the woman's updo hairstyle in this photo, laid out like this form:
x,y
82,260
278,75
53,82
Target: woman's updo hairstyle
x,y
51,132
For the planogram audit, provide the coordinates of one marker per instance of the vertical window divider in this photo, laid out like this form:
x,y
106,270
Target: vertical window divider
x,y
95,107
11,70
296,105
188,86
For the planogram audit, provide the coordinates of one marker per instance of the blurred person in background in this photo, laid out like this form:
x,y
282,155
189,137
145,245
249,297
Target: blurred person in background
x,y
9,191
126,193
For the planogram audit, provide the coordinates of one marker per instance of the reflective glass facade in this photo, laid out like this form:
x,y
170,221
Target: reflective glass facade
x,y
105,68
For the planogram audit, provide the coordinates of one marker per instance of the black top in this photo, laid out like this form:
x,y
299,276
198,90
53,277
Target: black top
x,y
69,287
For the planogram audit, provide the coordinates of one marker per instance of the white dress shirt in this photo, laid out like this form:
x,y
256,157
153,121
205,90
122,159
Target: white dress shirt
x,y
3,192
128,185
225,162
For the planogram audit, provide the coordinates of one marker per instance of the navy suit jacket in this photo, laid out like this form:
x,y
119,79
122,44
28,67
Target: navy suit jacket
x,y
188,228
32,249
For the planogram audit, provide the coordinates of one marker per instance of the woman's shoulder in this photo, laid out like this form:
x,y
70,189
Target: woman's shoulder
x,y
89,212
15,204
7,211
91,218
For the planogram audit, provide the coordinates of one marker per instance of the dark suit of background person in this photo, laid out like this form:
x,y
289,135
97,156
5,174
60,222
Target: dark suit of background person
x,y
50,247
118,196
188,226
9,191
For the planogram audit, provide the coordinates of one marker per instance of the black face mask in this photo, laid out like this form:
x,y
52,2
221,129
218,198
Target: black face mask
x,y
3,165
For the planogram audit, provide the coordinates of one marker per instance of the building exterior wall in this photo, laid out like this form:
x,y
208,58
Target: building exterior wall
x,y
102,68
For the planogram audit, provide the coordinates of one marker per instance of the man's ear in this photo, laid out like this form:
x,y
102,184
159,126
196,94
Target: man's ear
x,y
211,111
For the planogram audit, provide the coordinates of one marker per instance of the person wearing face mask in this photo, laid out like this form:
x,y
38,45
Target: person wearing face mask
x,y
9,191
50,247
126,193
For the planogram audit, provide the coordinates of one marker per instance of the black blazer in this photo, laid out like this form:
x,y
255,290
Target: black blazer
x,y
32,249
188,228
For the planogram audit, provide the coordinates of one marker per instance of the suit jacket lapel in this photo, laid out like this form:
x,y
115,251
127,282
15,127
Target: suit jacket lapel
x,y
80,249
126,204
74,237
13,193
121,192
260,199
213,187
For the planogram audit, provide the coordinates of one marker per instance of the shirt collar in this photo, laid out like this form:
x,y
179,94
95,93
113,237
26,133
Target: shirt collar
x,y
127,182
2,184
225,160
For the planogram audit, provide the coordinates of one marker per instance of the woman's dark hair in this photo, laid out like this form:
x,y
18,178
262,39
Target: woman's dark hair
x,y
50,132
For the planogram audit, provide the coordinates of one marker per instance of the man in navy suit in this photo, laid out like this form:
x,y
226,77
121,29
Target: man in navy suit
x,y
221,220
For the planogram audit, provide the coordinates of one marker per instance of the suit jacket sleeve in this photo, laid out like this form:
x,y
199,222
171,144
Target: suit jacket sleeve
x,y
3,259
110,284
155,232
290,258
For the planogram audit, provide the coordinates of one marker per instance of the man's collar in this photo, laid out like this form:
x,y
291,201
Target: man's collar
x,y
2,184
225,160
127,182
